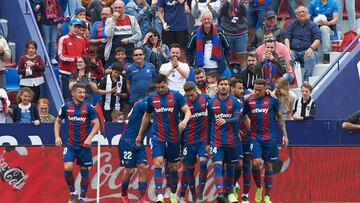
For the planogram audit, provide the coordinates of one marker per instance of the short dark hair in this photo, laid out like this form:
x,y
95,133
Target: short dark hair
x,y
31,42
120,49
76,86
174,45
151,89
213,74
251,54
188,86
118,66
198,71
236,81
222,78
307,86
260,81
138,48
159,78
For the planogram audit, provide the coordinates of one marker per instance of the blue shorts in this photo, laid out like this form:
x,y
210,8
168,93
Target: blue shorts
x,y
82,155
64,79
191,151
238,42
256,15
230,155
267,150
246,148
130,155
170,151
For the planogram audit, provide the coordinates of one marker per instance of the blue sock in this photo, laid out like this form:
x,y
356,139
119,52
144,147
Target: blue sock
x,y
202,175
229,178
69,178
268,181
174,178
183,183
246,176
142,188
84,182
256,175
158,180
124,188
218,178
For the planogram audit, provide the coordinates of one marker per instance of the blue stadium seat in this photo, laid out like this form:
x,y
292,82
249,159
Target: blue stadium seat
x,y
12,79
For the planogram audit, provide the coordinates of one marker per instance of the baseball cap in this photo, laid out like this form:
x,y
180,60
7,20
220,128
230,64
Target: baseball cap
x,y
270,14
79,10
75,21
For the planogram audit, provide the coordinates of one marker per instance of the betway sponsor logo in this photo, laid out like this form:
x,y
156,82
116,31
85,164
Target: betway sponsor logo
x,y
223,115
75,118
257,110
195,115
163,109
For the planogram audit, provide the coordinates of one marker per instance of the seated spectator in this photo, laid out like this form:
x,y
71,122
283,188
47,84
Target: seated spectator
x,y
43,108
270,25
25,111
208,47
303,37
117,98
4,105
117,116
212,78
5,54
304,108
199,6
280,48
142,12
272,65
93,9
327,26
156,52
120,56
351,123
350,10
285,97
290,5
96,65
31,69
200,81
175,71
248,75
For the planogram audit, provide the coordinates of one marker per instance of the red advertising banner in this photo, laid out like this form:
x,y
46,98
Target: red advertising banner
x,y
305,174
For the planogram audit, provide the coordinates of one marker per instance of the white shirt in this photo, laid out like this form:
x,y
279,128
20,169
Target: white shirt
x,y
209,64
175,79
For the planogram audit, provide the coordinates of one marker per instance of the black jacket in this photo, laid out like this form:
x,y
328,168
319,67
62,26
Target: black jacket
x,y
17,113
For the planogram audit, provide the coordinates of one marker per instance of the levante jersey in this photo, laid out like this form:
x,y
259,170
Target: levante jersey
x,y
166,112
78,118
133,126
262,113
230,110
196,128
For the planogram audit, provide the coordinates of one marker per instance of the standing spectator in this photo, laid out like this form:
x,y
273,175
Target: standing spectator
x,y
234,24
139,76
25,111
270,25
208,47
4,105
285,97
70,48
142,12
173,19
96,65
199,6
290,5
97,34
351,122
80,13
93,9
330,9
305,107
51,15
175,71
5,54
156,52
248,75
107,2
31,69
200,81
303,37
43,108
350,10
120,57
256,14
123,30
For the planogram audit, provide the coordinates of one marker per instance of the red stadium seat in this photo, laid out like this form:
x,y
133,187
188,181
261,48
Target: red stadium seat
x,y
12,96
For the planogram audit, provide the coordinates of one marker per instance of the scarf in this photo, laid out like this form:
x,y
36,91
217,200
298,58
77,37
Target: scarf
x,y
216,47
234,7
270,73
108,96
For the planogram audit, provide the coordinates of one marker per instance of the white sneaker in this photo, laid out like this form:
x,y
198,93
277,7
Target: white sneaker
x,y
182,200
160,198
81,200
73,197
54,62
167,193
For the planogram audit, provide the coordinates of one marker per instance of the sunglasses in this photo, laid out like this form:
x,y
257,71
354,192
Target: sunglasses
x,y
138,54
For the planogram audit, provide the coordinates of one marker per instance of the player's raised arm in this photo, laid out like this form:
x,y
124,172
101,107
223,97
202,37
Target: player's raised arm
x,y
282,125
144,124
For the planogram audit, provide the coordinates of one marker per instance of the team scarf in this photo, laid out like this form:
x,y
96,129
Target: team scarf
x,y
270,73
234,7
216,47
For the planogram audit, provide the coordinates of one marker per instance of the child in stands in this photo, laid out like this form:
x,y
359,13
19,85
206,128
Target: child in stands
x,y
25,111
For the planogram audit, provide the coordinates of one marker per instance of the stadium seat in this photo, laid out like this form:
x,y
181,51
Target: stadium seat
x,y
12,79
12,96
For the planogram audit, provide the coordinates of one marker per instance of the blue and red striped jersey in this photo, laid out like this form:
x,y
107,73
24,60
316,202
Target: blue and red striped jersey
x,y
165,110
230,110
262,113
78,118
196,129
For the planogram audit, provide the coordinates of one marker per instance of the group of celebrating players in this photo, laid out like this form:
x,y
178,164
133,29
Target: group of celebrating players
x,y
235,129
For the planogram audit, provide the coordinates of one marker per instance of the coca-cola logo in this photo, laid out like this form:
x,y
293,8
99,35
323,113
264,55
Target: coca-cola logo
x,y
15,177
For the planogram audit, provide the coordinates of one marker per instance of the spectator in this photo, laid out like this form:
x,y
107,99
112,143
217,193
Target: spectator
x,y
139,76
51,15
31,69
272,66
117,116
350,10
199,6
304,108
25,111
123,30
120,56
256,13
85,35
142,12
200,81
208,47
70,48
5,54
96,65
248,76
4,105
212,78
156,52
270,25
285,97
107,2
80,13
233,23
114,100
327,26
303,37
97,34
175,71
173,19
280,48
43,108
290,5
351,122
93,9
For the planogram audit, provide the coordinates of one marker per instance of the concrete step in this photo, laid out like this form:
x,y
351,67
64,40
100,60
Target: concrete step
x,y
313,79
